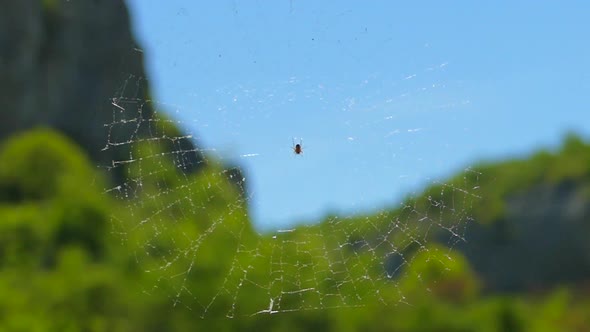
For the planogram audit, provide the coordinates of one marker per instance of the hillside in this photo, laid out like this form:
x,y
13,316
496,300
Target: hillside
x,y
522,224
177,249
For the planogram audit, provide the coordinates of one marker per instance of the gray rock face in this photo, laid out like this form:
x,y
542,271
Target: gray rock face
x,y
64,64
541,241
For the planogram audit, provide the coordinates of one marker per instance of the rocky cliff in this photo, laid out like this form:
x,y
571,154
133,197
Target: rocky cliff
x,y
70,65
541,240
538,236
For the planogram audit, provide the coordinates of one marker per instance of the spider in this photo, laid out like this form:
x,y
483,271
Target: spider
x,y
298,148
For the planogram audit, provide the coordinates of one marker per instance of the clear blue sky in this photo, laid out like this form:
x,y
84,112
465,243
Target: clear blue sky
x,y
387,95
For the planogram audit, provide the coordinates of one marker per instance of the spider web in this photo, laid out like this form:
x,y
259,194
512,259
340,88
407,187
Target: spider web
x,y
222,218
194,241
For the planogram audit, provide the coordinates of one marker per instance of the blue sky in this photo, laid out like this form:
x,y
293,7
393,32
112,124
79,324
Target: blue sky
x,y
387,95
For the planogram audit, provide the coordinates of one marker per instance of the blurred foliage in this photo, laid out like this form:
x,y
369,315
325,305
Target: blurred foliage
x,y
73,258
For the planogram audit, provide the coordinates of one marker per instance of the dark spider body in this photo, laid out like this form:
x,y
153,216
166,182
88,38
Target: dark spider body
x,y
298,148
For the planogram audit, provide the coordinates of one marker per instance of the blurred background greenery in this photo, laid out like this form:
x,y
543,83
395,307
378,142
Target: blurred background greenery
x,y
171,248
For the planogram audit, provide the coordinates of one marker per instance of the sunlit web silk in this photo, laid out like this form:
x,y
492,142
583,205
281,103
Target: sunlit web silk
x,y
191,236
